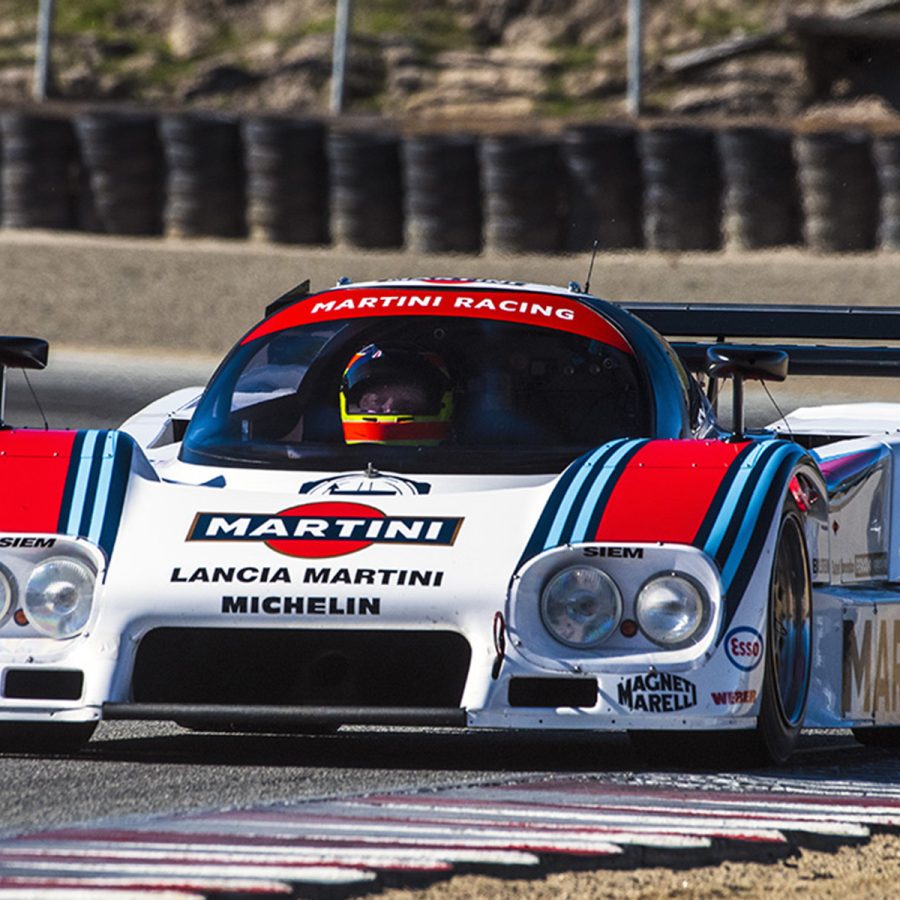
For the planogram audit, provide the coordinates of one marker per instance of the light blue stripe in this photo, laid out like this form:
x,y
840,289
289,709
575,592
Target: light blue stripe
x,y
729,506
750,518
103,486
562,512
590,502
81,481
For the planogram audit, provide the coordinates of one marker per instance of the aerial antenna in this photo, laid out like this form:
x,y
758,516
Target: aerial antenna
x,y
587,283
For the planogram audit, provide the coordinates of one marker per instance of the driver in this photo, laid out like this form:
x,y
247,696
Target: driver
x,y
396,395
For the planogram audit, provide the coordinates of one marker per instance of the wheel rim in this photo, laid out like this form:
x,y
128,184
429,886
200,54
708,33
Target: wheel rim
x,y
790,621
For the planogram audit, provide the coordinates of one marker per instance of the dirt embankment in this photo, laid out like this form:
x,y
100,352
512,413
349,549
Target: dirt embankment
x,y
198,296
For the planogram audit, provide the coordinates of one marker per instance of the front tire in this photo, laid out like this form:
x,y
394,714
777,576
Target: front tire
x,y
786,674
788,657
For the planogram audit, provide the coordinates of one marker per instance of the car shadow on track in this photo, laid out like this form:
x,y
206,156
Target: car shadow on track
x,y
420,749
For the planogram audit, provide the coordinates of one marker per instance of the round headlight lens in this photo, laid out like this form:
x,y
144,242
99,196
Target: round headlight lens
x,y
671,609
58,596
6,595
581,606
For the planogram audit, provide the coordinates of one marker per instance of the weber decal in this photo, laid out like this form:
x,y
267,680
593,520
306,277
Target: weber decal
x,y
733,698
325,529
744,648
656,692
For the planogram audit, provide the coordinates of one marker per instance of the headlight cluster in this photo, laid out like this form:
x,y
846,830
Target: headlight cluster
x,y
581,606
7,595
56,597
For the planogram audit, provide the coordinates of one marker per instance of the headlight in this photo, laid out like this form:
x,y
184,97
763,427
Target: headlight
x,y
7,595
581,606
58,596
671,609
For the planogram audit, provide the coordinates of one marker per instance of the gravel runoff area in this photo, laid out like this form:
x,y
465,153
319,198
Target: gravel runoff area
x,y
192,298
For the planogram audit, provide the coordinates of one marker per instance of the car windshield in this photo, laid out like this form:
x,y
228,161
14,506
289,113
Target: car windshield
x,y
517,398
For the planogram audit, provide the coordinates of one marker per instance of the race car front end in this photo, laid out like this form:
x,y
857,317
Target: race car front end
x,y
603,636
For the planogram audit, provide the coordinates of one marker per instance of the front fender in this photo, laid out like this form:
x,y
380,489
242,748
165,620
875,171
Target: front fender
x,y
718,496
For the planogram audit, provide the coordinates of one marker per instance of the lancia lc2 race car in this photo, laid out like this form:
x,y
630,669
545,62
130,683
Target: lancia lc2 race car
x,y
453,502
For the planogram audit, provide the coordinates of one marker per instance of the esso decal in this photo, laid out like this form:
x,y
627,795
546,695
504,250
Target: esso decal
x,y
744,648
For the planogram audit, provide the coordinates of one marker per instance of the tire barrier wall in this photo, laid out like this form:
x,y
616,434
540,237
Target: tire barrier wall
x,y
886,153
760,200
287,180
38,171
366,189
302,181
442,202
122,173
838,190
204,176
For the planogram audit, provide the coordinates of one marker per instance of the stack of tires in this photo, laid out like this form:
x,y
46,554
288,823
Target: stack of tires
x,y
521,179
442,208
682,188
366,198
604,187
886,155
838,189
205,176
287,180
760,204
122,177
38,171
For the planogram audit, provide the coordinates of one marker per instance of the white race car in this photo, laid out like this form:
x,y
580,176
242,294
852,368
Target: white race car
x,y
464,503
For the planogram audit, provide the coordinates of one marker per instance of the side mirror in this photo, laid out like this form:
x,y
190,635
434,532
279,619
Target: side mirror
x,y
738,363
20,353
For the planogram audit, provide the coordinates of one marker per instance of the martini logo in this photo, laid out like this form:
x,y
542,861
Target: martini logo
x,y
318,530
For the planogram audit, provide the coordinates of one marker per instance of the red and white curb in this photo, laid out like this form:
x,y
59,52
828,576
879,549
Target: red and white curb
x,y
353,843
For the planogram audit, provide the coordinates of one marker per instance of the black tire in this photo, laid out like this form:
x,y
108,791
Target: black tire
x,y
788,657
45,738
785,682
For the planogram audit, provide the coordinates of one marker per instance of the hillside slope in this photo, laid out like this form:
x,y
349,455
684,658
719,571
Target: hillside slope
x,y
478,61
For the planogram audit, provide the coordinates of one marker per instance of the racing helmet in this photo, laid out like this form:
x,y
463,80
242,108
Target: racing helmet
x,y
396,395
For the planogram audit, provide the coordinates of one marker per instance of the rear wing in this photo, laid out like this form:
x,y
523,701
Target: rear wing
x,y
777,325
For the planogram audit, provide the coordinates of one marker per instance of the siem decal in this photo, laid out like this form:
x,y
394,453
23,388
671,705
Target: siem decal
x,y
324,529
615,552
744,648
732,698
657,692
27,542
299,606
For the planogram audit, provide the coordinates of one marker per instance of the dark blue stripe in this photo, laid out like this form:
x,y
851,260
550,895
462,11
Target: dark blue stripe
x,y
116,499
71,476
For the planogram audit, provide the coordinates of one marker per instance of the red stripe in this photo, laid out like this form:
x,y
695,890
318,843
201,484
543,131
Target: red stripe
x,y
525,307
394,431
33,469
666,490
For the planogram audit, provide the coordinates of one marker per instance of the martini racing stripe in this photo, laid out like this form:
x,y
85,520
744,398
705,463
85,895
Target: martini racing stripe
x,y
95,487
584,482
